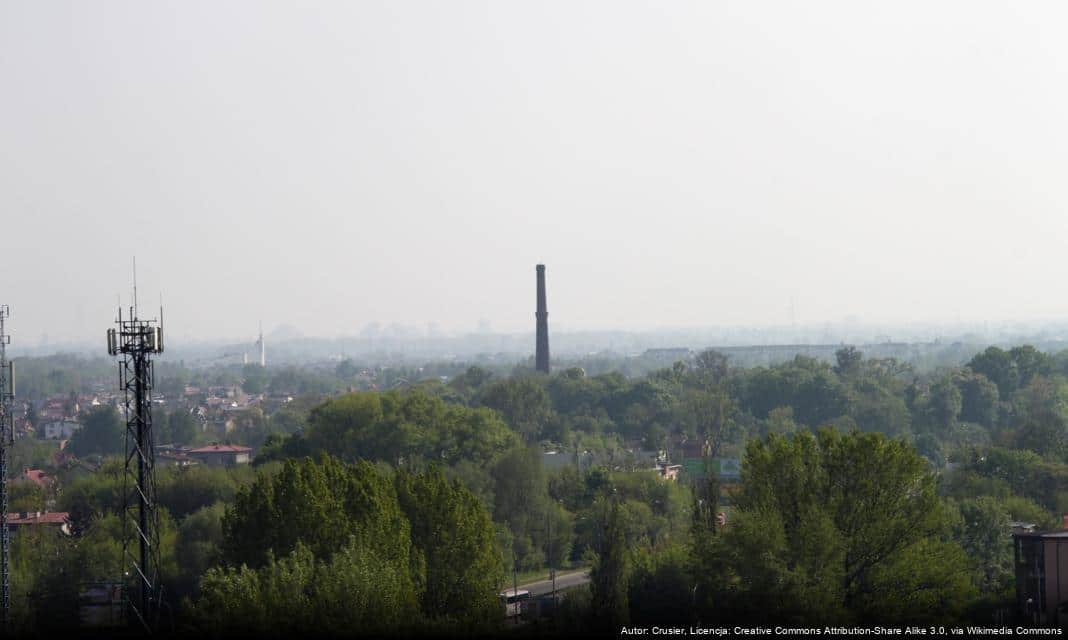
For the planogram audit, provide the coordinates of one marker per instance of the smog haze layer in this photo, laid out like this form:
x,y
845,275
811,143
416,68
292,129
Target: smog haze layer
x,y
673,164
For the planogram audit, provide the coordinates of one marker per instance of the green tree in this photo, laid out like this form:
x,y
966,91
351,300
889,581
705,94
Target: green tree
x,y
983,533
254,379
807,385
197,547
184,427
878,407
101,433
320,504
1013,369
520,501
848,360
454,545
471,381
711,366
1030,363
1041,410
979,398
709,415
780,420
660,587
523,402
183,490
846,525
608,578
355,592
401,427
945,403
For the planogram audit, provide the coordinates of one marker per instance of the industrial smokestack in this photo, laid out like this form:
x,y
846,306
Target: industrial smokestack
x,y
541,355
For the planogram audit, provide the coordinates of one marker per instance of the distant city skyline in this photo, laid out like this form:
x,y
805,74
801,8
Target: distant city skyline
x,y
289,342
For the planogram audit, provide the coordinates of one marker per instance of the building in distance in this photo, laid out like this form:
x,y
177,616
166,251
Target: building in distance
x,y
221,455
60,429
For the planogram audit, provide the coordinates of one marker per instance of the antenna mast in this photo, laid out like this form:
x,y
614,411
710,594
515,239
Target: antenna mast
x,y
7,438
135,341
135,308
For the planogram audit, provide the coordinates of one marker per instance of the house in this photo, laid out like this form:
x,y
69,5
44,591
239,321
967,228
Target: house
x,y
1042,574
22,426
38,477
60,520
60,429
221,455
171,456
669,472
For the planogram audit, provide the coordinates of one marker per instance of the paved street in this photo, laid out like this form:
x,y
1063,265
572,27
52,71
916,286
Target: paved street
x,y
563,581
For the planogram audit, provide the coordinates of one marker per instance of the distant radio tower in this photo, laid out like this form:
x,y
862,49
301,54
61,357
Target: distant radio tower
x,y
136,341
263,348
7,437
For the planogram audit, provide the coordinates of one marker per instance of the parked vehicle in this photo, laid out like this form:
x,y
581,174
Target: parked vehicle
x,y
515,602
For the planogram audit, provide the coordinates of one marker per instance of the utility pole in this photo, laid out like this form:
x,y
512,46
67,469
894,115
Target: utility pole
x,y
552,568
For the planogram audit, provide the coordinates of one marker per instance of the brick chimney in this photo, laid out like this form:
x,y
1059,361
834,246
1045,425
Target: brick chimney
x,y
541,353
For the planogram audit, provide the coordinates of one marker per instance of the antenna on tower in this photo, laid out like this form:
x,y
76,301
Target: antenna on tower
x,y
135,310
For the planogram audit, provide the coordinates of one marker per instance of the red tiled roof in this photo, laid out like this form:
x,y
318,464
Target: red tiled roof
x,y
38,517
221,448
38,477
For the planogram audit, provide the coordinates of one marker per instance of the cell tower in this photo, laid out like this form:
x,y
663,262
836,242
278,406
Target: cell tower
x,y
135,341
7,437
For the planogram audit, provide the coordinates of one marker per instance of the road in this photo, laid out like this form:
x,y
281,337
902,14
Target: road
x,y
563,581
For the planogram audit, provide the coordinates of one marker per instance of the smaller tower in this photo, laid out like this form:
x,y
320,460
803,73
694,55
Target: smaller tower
x,y
263,348
541,353
7,439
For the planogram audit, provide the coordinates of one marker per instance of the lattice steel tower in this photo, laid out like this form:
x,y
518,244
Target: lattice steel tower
x,y
136,341
7,438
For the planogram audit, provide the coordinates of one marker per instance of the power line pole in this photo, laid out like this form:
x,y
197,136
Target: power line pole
x,y
552,567
515,585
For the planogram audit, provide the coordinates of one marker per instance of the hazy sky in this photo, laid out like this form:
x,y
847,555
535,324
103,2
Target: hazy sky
x,y
673,163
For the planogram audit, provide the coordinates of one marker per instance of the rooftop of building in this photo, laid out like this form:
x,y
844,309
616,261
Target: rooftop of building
x,y
38,517
222,448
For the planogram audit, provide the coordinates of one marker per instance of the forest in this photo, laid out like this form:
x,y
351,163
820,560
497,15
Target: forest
x,y
869,492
